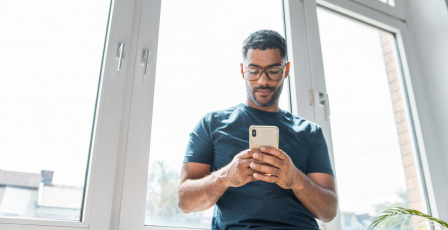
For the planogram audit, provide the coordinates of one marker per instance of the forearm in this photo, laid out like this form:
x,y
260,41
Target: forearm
x,y
199,195
321,202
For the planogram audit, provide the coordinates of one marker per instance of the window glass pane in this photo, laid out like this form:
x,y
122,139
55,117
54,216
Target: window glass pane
x,y
198,71
373,147
51,59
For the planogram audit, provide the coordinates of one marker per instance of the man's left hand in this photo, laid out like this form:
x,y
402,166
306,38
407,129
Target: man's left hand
x,y
283,171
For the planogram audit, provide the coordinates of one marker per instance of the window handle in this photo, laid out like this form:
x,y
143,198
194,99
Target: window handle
x,y
323,100
120,54
145,59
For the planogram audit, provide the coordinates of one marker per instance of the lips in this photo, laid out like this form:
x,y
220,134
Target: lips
x,y
264,92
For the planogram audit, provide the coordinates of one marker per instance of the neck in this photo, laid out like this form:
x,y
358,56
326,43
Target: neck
x,y
272,108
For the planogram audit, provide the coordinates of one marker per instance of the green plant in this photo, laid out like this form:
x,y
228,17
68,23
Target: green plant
x,y
393,213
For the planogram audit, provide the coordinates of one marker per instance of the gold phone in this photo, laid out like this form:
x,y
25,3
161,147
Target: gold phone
x,y
263,136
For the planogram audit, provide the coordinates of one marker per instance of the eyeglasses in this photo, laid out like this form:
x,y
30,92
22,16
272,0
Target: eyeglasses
x,y
273,73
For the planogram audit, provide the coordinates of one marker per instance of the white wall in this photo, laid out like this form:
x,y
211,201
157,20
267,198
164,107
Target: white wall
x,y
428,22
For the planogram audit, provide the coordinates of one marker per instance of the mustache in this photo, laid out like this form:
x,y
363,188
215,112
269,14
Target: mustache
x,y
264,87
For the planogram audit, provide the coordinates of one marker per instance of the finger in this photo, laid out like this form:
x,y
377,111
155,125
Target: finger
x,y
250,172
270,179
266,169
259,162
245,162
269,159
273,151
246,154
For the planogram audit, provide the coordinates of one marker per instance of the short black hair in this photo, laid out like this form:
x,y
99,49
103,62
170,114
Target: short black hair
x,y
264,39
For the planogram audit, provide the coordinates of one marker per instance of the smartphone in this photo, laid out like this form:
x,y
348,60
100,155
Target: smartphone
x,y
266,136
263,136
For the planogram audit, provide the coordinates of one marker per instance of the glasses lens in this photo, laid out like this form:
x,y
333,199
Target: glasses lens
x,y
253,73
275,73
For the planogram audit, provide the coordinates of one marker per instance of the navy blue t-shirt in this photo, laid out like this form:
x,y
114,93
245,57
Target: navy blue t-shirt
x,y
220,135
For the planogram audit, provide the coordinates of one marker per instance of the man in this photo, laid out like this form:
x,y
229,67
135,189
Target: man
x,y
220,170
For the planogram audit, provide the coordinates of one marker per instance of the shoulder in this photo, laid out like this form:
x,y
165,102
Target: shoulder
x,y
306,130
300,124
224,114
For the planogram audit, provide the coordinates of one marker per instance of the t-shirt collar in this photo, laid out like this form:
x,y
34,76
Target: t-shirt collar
x,y
261,112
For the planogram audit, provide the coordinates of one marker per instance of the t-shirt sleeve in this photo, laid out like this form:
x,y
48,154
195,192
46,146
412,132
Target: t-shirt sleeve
x,y
200,146
319,160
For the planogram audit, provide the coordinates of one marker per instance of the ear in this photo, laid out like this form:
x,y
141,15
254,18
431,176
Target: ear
x,y
287,69
242,70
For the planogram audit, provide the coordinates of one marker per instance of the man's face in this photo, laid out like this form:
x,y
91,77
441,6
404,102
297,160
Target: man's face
x,y
264,92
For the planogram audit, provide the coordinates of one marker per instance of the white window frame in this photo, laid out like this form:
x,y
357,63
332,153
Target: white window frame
x,y
135,169
97,207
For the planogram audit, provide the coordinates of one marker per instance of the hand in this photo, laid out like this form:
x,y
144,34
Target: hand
x,y
238,172
283,171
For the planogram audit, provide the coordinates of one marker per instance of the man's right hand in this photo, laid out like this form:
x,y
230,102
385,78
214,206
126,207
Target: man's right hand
x,y
238,172
198,192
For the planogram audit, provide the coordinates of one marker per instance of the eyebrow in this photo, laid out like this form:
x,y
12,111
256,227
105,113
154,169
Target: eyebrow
x,y
271,65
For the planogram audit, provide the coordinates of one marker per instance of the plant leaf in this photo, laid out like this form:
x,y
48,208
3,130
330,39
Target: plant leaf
x,y
396,212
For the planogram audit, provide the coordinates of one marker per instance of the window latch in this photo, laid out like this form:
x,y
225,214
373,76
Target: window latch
x,y
120,54
145,59
323,100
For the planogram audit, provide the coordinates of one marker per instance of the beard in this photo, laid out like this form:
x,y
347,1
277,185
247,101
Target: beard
x,y
274,97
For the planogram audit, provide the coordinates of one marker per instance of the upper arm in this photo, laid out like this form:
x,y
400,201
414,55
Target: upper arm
x,y
200,148
193,170
319,158
199,154
324,180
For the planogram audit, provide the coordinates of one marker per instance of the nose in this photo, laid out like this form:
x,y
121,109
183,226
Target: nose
x,y
263,78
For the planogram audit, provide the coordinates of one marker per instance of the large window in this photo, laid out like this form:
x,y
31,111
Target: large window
x,y
373,140
51,63
62,89
198,72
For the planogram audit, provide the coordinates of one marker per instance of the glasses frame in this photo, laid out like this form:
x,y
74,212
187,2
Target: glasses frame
x,y
283,68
